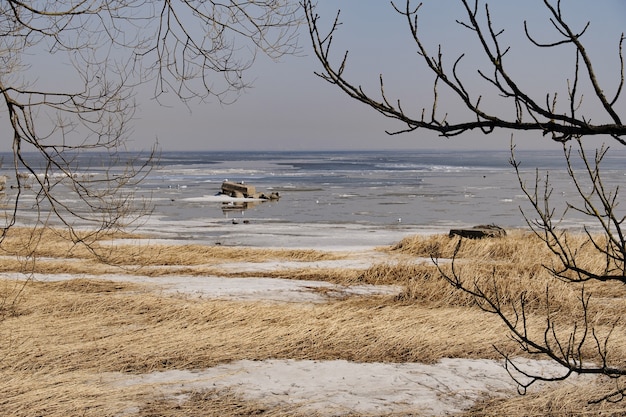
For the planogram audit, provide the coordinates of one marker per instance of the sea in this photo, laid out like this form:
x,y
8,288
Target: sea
x,y
356,198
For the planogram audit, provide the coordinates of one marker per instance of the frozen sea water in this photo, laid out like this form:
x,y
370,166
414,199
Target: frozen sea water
x,y
341,199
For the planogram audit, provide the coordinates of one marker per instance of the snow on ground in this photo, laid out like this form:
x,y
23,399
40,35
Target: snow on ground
x,y
327,387
276,234
334,388
253,289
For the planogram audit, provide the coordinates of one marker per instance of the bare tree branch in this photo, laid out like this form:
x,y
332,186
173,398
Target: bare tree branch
x,y
577,342
192,49
530,115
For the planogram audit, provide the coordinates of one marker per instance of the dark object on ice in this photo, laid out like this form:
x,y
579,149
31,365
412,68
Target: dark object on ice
x,y
479,232
271,196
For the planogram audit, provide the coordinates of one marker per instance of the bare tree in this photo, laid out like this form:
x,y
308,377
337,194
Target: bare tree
x,y
580,343
68,78
527,113
69,71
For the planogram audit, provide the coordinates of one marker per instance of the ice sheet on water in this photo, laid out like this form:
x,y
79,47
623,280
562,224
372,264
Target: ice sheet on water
x,y
273,234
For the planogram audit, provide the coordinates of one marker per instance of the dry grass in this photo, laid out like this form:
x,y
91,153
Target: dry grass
x,y
52,251
105,326
517,245
188,255
511,269
512,265
561,401
65,334
57,339
56,243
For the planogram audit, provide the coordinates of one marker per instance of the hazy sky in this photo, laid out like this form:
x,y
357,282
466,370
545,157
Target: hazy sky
x,y
290,108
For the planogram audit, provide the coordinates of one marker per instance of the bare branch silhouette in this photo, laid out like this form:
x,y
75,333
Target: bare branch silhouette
x,y
580,342
529,114
60,122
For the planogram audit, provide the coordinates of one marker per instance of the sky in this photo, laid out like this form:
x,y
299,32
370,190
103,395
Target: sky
x,y
290,108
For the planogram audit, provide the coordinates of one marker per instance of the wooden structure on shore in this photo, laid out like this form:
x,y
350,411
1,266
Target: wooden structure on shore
x,y
241,190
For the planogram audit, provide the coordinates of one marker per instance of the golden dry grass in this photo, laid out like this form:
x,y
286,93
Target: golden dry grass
x,y
57,338
49,242
54,252
560,401
63,335
516,245
186,255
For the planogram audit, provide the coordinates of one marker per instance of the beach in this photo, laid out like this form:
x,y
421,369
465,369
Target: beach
x,y
326,302
204,323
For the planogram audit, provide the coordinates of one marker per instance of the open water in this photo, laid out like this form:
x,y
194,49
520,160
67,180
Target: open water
x,y
336,198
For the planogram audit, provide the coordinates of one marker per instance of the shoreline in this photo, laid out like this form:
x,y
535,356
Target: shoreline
x,y
336,236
